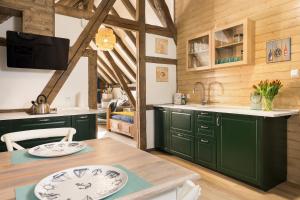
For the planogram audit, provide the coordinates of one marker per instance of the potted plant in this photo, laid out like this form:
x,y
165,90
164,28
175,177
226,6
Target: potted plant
x,y
268,90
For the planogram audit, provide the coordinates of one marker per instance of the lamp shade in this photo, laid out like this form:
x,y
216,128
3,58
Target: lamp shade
x,y
105,39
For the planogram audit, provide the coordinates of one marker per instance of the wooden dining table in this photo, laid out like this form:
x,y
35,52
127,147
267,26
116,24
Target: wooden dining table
x,y
163,175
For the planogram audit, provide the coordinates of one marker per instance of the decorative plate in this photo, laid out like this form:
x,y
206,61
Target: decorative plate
x,y
56,149
83,183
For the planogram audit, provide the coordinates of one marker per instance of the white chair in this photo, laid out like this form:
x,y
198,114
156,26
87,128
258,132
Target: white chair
x,y
10,139
189,191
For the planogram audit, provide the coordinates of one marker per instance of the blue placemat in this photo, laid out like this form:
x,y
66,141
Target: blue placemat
x,y
134,184
22,156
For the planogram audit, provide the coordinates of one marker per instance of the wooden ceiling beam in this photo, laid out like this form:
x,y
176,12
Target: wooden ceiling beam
x,y
124,63
161,60
122,82
113,64
59,78
126,49
129,34
108,69
157,30
73,12
158,11
130,8
123,23
69,3
105,74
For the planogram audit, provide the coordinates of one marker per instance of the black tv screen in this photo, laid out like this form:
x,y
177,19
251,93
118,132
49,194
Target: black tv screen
x,y
36,51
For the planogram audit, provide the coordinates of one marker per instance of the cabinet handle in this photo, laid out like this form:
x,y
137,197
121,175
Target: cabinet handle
x,y
204,141
180,135
218,121
44,120
83,117
204,127
203,113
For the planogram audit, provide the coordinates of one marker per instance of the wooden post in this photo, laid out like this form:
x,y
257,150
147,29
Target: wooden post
x,y
141,75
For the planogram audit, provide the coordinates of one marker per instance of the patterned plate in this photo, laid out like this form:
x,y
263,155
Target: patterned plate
x,y
56,149
83,183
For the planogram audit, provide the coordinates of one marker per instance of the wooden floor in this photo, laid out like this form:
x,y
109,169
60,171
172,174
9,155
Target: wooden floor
x,y
216,186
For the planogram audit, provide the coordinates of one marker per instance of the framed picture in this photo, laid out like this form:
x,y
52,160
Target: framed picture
x,y
161,46
278,50
162,74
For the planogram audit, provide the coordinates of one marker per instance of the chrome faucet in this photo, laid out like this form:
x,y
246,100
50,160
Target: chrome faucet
x,y
209,89
203,99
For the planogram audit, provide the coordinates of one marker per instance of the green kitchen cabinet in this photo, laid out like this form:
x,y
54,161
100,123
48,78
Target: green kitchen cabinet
x,y
206,152
182,121
253,149
41,123
162,131
85,126
182,145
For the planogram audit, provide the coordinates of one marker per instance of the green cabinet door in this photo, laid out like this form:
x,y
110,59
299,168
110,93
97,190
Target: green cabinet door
x,y
205,152
85,126
182,145
238,147
4,128
182,121
162,132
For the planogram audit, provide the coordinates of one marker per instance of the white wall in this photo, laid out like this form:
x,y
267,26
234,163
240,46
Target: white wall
x,y
19,86
158,92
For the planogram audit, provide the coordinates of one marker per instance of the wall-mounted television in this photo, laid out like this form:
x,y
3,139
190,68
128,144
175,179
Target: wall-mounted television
x,y
36,51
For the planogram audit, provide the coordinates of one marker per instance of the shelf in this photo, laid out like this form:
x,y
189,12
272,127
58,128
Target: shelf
x,y
229,45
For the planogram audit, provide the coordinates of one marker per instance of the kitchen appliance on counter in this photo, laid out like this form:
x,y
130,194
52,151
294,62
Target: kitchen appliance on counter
x,y
40,106
179,99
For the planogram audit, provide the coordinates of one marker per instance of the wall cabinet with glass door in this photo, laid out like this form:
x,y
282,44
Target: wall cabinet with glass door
x,y
233,44
199,52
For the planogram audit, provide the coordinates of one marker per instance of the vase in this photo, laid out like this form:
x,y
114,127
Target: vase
x,y
267,104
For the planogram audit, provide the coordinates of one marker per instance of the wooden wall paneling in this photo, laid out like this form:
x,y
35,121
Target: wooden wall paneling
x,y
59,77
129,34
141,75
121,81
92,77
194,17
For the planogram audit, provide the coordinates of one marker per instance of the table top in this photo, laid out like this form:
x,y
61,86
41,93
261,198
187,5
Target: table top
x,y
162,174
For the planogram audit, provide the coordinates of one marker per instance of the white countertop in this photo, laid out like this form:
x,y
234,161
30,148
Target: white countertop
x,y
60,112
234,110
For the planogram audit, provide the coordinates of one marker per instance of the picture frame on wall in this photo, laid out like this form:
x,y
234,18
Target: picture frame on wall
x,y
161,46
162,74
278,50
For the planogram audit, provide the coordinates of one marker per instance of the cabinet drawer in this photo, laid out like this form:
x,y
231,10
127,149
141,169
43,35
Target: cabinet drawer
x,y
205,152
182,121
182,145
41,123
203,128
205,116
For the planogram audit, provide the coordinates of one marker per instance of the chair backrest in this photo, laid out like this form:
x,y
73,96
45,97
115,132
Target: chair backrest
x,y
10,139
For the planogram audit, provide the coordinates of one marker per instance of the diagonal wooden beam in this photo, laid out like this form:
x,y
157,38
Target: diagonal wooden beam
x,y
141,74
108,69
157,10
130,8
60,77
113,64
121,80
105,74
157,30
125,48
129,34
124,63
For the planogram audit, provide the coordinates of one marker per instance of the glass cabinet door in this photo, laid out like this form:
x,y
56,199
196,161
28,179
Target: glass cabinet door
x,y
199,55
